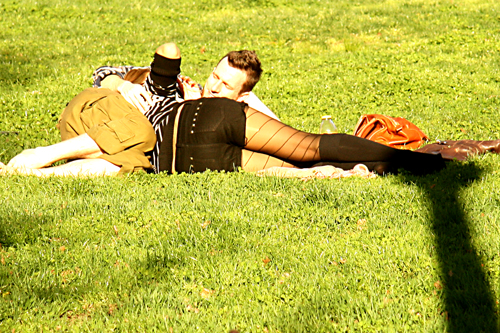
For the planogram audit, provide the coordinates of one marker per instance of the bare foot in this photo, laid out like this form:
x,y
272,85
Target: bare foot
x,y
30,159
5,170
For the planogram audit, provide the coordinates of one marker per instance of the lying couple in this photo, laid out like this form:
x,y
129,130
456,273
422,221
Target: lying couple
x,y
125,126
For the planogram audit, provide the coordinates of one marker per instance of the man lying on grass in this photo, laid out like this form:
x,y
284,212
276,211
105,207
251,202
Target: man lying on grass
x,y
135,84
109,135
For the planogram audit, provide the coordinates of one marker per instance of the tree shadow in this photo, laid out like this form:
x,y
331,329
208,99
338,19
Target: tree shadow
x,y
21,227
469,303
17,229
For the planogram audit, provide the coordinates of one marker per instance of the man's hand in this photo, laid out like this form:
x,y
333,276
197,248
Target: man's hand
x,y
190,88
136,95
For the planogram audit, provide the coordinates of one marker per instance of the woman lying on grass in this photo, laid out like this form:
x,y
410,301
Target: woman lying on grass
x,y
221,134
104,134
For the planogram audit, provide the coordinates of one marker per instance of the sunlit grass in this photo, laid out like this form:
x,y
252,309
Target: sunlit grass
x,y
214,252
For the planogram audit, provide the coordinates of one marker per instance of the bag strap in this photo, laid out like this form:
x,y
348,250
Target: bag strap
x,y
174,137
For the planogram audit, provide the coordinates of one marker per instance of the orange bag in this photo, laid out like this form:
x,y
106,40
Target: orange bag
x,y
393,132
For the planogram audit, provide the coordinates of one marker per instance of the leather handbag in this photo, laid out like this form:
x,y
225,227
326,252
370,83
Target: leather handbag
x,y
393,132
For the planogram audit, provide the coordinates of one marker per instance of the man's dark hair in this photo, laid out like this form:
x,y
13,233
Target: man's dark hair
x,y
248,62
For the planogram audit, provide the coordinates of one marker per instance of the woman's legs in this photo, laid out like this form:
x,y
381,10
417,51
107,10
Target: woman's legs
x,y
269,136
253,161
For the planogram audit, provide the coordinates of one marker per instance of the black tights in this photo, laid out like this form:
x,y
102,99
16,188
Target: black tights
x,y
289,146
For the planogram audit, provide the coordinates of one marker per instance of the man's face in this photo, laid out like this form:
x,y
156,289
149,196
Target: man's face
x,y
225,81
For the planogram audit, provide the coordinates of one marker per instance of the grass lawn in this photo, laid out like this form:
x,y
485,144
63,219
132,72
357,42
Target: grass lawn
x,y
214,252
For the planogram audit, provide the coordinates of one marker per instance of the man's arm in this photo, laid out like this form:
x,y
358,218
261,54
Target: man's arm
x,y
116,78
112,82
104,72
255,103
113,78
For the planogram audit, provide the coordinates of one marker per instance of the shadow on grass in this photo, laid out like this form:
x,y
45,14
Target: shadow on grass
x,y
469,304
467,298
16,230
20,228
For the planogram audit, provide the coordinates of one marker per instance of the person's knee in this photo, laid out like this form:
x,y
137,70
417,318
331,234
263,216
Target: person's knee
x,y
169,50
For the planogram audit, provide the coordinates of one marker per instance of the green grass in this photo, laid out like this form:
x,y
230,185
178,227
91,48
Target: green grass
x,y
214,252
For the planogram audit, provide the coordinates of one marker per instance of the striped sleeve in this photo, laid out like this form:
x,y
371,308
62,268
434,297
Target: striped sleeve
x,y
102,72
159,116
